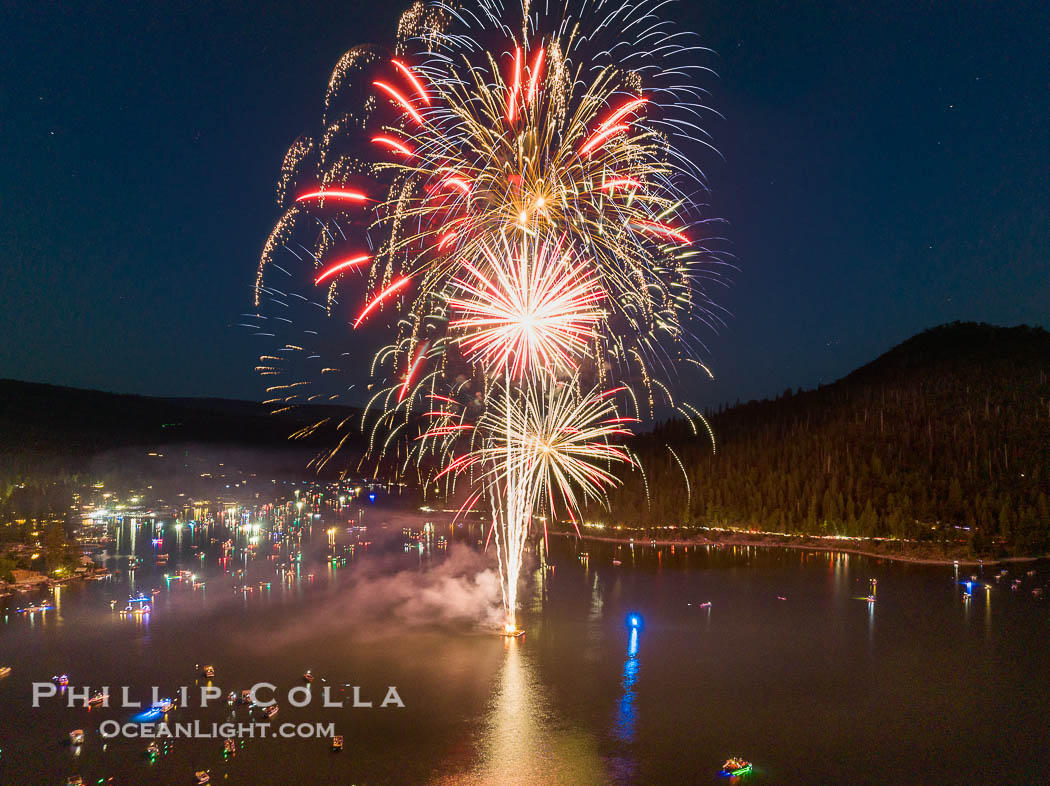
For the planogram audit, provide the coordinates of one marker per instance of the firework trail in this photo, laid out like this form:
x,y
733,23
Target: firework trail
x,y
507,194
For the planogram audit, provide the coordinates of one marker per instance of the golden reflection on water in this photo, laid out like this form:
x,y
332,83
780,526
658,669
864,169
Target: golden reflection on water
x,y
524,741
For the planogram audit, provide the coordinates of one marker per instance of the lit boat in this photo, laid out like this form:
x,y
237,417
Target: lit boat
x,y
74,780
209,671
164,705
735,767
152,749
4,671
706,604
246,697
308,676
76,737
229,745
97,698
337,742
617,562
201,776
231,697
62,679
270,711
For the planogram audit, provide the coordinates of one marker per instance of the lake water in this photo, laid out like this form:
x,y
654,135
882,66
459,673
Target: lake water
x,y
789,666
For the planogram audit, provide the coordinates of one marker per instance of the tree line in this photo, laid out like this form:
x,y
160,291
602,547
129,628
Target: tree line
x,y
944,439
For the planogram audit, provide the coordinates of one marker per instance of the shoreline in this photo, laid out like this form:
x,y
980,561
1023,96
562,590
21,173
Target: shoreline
x,y
791,543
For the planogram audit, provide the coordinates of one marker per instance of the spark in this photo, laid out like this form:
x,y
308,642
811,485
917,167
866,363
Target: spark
x,y
600,137
338,267
347,196
401,100
393,144
412,78
394,287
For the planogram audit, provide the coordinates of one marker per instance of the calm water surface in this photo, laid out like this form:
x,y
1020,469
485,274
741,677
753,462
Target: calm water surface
x,y
789,666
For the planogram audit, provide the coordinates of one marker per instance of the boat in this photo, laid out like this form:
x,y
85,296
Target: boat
x,y
231,697
229,745
734,767
617,562
337,742
308,676
74,780
152,749
209,671
4,671
61,679
97,698
164,705
270,711
706,604
76,737
246,697
202,777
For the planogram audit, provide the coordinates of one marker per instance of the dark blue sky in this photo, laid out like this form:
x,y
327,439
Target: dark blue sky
x,y
886,169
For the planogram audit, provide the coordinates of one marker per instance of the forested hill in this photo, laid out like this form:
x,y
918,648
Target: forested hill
x,y
59,426
949,430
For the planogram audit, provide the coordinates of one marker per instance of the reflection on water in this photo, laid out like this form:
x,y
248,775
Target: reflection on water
x,y
515,735
625,714
524,741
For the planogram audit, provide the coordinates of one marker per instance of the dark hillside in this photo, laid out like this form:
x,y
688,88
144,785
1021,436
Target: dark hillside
x,y
944,437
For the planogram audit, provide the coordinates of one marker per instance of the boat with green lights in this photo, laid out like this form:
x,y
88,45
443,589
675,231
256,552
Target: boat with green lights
x,y
735,767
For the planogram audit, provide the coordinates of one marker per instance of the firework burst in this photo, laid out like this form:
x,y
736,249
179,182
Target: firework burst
x,y
523,221
528,309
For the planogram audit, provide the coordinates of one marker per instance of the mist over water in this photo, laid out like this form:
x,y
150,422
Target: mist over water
x,y
383,598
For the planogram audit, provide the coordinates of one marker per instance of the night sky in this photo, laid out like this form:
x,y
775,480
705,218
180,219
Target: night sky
x,y
886,169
